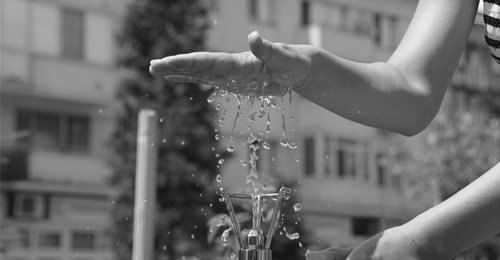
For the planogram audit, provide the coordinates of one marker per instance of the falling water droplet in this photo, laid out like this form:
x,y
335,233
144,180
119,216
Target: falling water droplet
x,y
219,178
244,163
192,236
293,236
284,141
296,207
211,98
161,120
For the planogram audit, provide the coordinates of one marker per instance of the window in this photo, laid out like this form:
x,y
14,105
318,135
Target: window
x,y
49,239
381,170
54,130
261,10
304,13
72,34
28,206
253,9
346,155
309,156
21,239
364,226
83,240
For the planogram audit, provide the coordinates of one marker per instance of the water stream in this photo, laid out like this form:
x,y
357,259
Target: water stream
x,y
253,107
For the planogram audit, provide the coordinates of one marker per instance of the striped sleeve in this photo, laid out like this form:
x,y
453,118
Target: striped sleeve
x,y
492,27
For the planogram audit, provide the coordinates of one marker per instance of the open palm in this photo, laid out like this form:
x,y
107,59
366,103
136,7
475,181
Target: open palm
x,y
270,64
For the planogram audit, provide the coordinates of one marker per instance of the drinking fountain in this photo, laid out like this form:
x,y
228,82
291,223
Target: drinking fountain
x,y
256,246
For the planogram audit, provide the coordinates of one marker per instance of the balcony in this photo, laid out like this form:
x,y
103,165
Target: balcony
x,y
354,198
43,164
14,163
58,78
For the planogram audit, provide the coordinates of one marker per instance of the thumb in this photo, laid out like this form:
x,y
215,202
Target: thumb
x,y
261,48
329,254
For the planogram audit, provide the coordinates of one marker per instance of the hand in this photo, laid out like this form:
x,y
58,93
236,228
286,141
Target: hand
x,y
262,71
329,254
391,244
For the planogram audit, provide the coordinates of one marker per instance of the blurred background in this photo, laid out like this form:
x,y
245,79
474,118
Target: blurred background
x,y
74,75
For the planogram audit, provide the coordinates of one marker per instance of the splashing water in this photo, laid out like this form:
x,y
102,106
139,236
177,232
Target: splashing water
x,y
296,207
224,236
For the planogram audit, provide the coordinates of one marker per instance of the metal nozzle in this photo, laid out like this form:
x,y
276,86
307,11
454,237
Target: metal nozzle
x,y
256,247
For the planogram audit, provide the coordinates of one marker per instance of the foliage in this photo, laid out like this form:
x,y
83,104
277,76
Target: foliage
x,y
187,163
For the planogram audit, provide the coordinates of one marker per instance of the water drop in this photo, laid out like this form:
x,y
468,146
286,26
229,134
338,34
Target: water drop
x,y
296,207
219,178
293,145
232,256
221,161
293,236
164,247
224,236
215,21
284,142
300,244
297,159
211,98
266,145
161,120
244,163
230,148
192,236
217,137
183,143
211,229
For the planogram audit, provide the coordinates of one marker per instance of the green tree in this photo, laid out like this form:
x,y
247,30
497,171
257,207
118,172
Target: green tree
x,y
187,163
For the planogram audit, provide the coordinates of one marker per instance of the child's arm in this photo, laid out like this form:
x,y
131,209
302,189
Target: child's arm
x,y
401,95
469,217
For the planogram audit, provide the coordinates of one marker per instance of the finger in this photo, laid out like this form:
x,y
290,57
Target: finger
x,y
261,48
329,254
215,63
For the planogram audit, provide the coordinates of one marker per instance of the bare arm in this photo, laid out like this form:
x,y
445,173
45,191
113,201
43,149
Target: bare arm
x,y
401,95
469,217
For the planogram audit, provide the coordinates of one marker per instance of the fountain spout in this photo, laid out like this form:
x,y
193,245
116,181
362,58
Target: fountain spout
x,y
256,247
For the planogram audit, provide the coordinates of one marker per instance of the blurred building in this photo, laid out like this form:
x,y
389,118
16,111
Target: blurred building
x,y
340,169
58,82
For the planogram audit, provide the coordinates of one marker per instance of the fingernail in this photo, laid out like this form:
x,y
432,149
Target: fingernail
x,y
154,61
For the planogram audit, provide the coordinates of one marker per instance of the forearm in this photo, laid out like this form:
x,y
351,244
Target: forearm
x,y
403,94
470,216
377,94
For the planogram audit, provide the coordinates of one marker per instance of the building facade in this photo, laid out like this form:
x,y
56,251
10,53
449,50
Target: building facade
x,y
58,82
